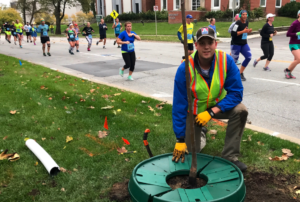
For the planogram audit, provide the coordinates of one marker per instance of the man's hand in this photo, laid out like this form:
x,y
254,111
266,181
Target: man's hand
x,y
298,33
4,155
181,40
271,35
127,42
204,117
275,33
179,151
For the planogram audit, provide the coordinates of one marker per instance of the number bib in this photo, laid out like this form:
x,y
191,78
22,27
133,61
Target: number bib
x,y
14,33
189,36
72,36
244,36
117,29
90,36
298,37
7,29
18,30
130,47
45,33
270,39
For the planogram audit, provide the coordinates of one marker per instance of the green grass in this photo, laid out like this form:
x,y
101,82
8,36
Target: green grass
x,y
164,28
38,117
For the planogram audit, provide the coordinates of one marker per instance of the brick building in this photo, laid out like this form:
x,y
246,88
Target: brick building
x,y
105,7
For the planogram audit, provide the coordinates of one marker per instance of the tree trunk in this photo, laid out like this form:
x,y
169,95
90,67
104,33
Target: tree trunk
x,y
24,12
58,20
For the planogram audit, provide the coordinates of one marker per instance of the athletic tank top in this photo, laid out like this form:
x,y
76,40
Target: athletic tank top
x,y
117,28
71,34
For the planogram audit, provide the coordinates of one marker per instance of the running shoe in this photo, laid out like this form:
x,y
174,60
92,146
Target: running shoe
x,y
103,47
121,72
48,54
287,74
291,76
21,46
30,41
9,42
77,51
115,42
44,54
129,78
89,49
70,52
15,43
97,43
27,41
242,77
34,43
119,46
255,63
238,62
267,69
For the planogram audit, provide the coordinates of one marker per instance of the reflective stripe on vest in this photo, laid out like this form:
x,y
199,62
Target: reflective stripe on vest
x,y
203,96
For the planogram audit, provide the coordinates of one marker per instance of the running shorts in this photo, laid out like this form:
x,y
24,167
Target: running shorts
x,y
34,34
14,33
102,36
71,39
190,46
117,35
8,33
77,39
45,39
294,46
20,33
28,33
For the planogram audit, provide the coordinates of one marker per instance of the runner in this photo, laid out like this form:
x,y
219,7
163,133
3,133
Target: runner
x,y
102,32
213,26
190,36
77,37
44,29
239,41
71,36
126,39
294,33
7,31
51,28
87,32
13,32
118,27
33,33
236,18
267,45
19,29
27,29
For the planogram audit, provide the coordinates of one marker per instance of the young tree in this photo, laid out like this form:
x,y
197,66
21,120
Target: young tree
x,y
9,15
65,20
86,5
89,16
81,17
74,18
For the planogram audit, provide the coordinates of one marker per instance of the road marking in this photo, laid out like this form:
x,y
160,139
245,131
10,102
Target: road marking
x,y
275,134
284,61
296,84
162,94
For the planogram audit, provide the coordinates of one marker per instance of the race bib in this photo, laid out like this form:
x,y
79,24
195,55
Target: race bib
x,y
45,33
90,36
270,39
235,28
14,33
130,46
72,36
18,30
298,37
8,29
189,36
244,36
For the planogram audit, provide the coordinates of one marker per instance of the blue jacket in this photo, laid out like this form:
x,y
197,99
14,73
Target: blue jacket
x,y
233,86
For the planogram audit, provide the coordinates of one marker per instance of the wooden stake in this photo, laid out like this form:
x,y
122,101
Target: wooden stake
x,y
193,171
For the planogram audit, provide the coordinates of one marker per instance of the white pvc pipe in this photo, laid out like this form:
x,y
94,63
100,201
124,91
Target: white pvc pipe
x,y
43,156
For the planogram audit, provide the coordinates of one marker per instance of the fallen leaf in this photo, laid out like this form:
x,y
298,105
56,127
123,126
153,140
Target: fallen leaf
x,y
260,143
69,139
5,137
64,147
63,98
126,159
298,192
117,94
65,92
91,107
144,102
42,87
213,137
63,169
141,113
297,160
295,187
290,154
65,107
126,141
34,192
122,150
119,110
112,101
39,103
249,138
102,134
157,114
13,111
63,189
98,87
43,183
82,100
107,107
50,98
92,90
36,163
285,151
276,158
58,128
150,108
43,138
285,157
26,139
75,170
213,132
105,96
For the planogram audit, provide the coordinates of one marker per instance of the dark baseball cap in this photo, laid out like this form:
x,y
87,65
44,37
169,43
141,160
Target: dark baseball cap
x,y
205,31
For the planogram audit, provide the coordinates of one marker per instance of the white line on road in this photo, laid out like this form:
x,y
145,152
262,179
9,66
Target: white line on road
x,y
275,134
283,82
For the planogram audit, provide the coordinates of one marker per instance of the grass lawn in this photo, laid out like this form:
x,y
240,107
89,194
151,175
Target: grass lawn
x,y
53,105
164,28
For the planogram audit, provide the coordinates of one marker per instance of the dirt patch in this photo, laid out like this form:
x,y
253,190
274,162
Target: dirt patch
x,y
182,181
119,192
266,187
1,74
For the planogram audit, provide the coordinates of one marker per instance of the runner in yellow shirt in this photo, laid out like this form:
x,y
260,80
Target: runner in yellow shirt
x,y
190,36
19,30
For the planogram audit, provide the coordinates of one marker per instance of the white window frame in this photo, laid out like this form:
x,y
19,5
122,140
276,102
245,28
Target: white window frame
x,y
192,5
280,4
161,5
263,5
236,6
213,5
174,5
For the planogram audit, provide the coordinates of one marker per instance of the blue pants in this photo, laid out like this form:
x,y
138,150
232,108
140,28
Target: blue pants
x,y
244,50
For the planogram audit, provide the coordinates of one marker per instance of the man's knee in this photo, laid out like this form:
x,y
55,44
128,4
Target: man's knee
x,y
241,111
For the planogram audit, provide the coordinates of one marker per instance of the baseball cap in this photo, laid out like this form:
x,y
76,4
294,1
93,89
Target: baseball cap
x,y
270,15
298,12
70,24
75,24
42,19
205,31
189,16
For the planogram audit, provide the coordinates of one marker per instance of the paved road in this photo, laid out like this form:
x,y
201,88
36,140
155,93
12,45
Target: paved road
x,y
271,99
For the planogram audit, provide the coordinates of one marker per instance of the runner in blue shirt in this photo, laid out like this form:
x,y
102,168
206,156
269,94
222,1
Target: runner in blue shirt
x,y
126,39
213,26
118,27
44,29
33,33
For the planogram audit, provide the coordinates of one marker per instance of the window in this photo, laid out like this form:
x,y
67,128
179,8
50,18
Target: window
x,y
195,4
163,4
216,3
263,3
278,4
237,4
176,4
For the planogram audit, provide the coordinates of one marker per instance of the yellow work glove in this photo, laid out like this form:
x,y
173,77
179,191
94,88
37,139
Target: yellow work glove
x,y
15,157
179,151
204,117
4,155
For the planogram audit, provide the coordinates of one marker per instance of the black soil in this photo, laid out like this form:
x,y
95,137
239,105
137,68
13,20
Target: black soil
x,y
260,187
182,181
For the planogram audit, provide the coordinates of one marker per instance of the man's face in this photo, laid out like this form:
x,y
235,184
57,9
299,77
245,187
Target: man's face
x,y
206,47
244,16
27,23
43,22
213,22
117,20
17,21
188,20
102,21
88,24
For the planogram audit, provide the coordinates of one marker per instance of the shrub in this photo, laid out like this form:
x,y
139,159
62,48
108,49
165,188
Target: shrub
x,y
289,9
255,13
149,15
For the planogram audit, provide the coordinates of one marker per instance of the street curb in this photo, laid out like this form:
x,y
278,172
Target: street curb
x,y
226,40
